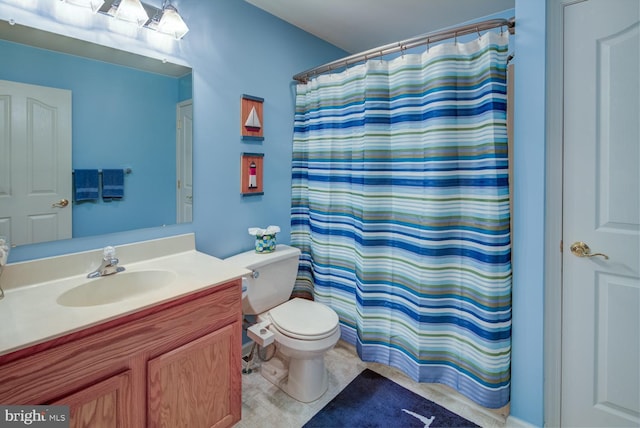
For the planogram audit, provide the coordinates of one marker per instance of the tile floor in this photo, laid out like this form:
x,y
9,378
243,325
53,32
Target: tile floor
x,y
266,406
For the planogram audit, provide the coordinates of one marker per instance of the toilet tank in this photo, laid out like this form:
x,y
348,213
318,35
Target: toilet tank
x,y
274,275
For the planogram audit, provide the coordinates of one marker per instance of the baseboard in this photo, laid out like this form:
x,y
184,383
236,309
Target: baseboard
x,y
513,422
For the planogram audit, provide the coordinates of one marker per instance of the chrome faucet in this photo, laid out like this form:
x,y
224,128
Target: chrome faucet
x,y
109,264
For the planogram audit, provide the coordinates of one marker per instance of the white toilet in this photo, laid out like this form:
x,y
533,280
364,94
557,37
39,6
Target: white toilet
x,y
303,330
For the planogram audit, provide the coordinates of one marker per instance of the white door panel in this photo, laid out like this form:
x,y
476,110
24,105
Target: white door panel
x,y
184,157
35,169
601,207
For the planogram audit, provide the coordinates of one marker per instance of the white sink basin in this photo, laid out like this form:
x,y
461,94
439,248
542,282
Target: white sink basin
x,y
116,287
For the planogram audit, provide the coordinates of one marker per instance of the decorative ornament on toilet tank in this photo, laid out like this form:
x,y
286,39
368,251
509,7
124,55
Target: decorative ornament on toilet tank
x,y
265,238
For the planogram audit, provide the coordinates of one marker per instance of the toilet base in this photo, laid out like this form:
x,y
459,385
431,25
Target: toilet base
x,y
275,370
304,380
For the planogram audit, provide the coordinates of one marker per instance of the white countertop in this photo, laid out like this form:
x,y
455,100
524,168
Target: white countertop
x,y
30,314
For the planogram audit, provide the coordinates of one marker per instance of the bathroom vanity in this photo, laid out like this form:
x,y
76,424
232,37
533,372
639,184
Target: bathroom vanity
x,y
170,358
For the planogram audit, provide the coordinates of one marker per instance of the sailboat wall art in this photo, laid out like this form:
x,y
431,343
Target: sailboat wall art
x,y
251,118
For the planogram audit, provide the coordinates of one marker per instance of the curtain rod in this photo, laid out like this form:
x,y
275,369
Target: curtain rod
x,y
403,45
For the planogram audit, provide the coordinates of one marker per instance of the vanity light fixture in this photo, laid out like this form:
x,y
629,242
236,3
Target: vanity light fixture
x,y
168,21
94,5
165,20
171,22
130,11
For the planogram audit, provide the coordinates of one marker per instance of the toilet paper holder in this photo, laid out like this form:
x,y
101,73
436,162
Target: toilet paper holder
x,y
261,334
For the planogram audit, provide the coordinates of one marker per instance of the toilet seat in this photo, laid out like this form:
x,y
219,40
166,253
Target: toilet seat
x,y
304,319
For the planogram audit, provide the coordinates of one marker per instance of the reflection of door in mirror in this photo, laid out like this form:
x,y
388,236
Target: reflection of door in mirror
x,y
184,145
35,163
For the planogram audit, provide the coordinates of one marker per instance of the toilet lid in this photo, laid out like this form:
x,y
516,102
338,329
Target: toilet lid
x,y
304,319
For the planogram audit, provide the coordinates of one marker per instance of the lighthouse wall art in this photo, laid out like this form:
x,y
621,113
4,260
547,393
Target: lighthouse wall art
x,y
251,165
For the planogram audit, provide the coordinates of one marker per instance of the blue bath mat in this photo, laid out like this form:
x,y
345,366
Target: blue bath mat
x,y
372,400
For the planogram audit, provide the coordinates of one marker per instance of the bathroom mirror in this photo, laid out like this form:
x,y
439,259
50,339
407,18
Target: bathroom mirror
x,y
128,112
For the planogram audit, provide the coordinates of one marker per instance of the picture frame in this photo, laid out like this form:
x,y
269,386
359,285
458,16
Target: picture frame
x,y
251,174
251,118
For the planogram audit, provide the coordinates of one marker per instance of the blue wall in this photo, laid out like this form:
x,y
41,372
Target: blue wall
x,y
185,91
527,355
235,48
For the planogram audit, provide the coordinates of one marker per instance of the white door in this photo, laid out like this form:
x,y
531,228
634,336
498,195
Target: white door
x,y
601,207
35,163
184,145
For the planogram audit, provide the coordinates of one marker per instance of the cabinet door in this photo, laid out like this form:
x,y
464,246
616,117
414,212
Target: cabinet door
x,y
104,404
198,384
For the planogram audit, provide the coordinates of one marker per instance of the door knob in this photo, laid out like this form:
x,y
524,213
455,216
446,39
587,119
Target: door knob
x,y
60,204
581,249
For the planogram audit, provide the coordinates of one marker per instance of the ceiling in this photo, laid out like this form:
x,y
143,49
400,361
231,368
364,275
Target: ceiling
x,y
359,25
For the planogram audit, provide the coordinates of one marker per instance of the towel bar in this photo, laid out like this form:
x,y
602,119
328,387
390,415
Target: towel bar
x,y
126,171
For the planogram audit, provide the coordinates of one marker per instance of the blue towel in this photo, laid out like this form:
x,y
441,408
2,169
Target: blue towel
x,y
86,184
112,183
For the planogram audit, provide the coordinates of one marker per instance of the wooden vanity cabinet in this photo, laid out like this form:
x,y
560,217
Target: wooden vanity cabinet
x,y
177,364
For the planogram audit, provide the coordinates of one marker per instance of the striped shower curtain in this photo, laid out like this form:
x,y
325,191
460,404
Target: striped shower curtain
x,y
400,206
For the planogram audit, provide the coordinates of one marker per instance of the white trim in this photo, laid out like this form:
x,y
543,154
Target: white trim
x,y
181,161
553,211
553,215
513,422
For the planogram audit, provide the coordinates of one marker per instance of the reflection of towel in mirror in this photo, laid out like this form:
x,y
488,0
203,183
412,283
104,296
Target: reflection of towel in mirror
x,y
86,184
112,184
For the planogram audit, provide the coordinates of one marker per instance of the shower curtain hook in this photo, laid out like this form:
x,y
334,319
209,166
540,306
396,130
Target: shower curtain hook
x,y
428,44
478,31
455,38
380,57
